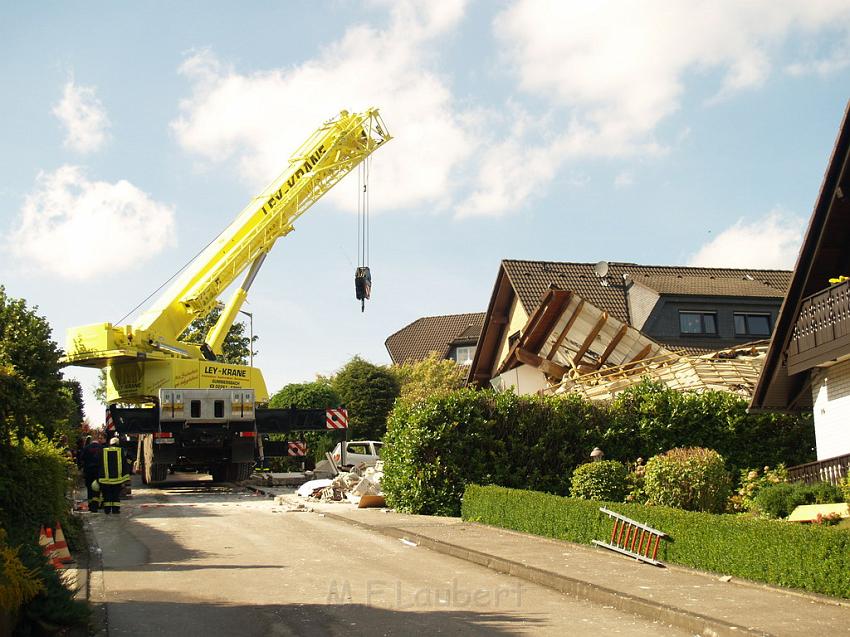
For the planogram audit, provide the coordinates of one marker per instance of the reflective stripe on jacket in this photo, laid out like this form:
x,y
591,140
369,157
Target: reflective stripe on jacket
x,y
113,466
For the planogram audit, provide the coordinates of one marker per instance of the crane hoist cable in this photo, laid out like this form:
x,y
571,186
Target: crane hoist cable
x,y
363,275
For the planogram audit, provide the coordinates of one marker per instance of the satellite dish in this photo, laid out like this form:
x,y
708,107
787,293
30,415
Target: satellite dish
x,y
601,269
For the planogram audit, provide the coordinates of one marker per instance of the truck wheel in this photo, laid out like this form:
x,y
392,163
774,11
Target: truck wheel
x,y
219,473
238,471
151,473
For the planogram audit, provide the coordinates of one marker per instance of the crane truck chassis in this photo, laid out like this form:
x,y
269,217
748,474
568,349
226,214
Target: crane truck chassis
x,y
213,430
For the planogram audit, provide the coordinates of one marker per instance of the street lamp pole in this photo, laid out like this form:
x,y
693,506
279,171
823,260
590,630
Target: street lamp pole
x,y
251,328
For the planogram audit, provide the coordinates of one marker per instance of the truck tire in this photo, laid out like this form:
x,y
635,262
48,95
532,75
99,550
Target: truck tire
x,y
219,473
238,471
151,473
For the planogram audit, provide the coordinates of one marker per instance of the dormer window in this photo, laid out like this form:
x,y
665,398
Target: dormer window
x,y
464,355
752,324
698,322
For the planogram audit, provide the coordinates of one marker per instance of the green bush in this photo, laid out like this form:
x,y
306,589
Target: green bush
x,y
693,479
604,481
434,448
34,480
779,500
845,488
752,482
809,557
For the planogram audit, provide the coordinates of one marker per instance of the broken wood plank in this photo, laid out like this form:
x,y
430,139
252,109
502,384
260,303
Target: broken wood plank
x,y
589,340
639,357
566,329
612,345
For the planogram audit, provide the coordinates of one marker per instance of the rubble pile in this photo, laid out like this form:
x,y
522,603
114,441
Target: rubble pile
x,y
351,485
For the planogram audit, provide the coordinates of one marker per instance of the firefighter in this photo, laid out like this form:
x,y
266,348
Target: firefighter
x,y
90,462
114,472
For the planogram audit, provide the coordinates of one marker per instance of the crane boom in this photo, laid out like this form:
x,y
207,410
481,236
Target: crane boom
x,y
328,155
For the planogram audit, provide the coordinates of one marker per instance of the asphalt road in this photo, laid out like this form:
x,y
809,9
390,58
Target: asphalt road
x,y
199,559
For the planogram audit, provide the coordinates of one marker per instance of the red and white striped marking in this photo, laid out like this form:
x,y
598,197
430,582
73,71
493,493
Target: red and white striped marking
x,y
297,449
108,421
336,418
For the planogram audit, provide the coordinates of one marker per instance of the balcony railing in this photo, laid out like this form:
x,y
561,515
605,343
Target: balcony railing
x,y
822,331
831,470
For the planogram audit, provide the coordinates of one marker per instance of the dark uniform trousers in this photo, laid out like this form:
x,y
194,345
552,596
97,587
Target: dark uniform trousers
x,y
112,478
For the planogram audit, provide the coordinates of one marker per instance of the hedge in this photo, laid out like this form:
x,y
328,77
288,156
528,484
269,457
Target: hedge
x,y
809,557
434,447
34,480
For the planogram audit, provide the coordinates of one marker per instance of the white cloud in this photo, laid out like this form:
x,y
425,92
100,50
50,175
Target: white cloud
x,y
621,66
624,179
771,242
258,119
77,229
84,118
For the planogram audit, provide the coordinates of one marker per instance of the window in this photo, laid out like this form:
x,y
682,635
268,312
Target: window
x,y
218,409
752,324
358,448
698,322
195,409
464,355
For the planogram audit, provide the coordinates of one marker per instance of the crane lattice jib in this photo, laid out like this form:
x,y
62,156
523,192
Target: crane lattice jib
x,y
332,152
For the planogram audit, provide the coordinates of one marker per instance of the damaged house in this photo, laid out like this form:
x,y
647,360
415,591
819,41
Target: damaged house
x,y
597,328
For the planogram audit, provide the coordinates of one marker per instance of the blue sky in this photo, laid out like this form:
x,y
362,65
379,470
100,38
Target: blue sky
x,y
652,132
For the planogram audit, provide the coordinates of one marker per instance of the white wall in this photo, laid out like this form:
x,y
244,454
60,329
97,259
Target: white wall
x,y
831,396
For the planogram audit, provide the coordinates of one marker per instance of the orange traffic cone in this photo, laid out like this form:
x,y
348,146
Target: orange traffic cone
x,y
61,546
43,542
50,549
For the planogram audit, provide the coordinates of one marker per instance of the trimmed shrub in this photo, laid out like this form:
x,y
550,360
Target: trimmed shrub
x,y
809,557
779,500
693,479
752,482
604,481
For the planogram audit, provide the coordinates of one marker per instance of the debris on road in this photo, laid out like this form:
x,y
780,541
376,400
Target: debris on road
x,y
361,486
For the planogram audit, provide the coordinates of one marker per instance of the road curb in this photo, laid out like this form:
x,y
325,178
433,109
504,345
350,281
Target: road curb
x,y
649,609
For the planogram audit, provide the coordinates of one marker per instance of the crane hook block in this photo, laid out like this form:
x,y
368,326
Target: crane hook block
x,y
363,285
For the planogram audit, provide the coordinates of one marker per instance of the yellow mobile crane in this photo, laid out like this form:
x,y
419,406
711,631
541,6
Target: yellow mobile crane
x,y
186,406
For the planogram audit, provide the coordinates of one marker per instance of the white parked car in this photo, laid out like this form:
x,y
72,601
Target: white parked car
x,y
357,451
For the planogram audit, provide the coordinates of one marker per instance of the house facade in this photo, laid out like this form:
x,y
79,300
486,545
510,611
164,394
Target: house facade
x,y
808,362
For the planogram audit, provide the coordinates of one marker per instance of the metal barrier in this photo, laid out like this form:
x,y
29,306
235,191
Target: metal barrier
x,y
633,538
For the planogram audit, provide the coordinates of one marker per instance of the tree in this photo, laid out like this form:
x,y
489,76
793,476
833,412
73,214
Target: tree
x,y
434,375
369,392
236,347
36,398
316,395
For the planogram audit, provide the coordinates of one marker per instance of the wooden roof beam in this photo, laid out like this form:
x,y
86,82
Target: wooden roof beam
x,y
589,340
612,345
546,366
566,329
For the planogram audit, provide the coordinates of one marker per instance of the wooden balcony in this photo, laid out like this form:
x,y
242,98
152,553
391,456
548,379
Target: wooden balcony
x,y
831,470
822,331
